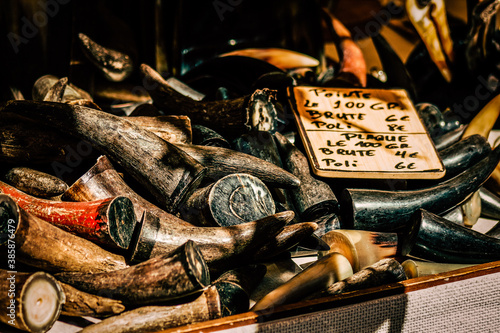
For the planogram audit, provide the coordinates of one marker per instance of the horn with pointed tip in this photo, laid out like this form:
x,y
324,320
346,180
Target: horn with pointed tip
x,y
172,275
382,272
166,171
34,182
107,222
443,241
221,162
164,231
219,245
79,303
205,136
366,209
234,199
313,198
490,204
364,248
32,302
235,116
331,268
40,244
115,66
417,268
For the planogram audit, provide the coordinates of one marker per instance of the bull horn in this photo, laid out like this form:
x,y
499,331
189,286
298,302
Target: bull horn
x,y
443,241
107,222
40,244
179,273
34,182
166,171
418,268
166,230
322,273
377,210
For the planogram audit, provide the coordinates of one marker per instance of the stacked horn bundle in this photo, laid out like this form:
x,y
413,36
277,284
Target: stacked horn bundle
x,y
152,202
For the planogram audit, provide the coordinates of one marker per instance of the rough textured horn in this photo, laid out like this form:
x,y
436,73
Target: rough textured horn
x,y
234,199
40,244
167,172
326,224
34,182
116,66
179,273
256,111
218,245
221,162
382,272
418,268
443,241
174,129
322,273
79,303
155,318
107,222
43,85
31,302
364,248
313,198
165,231
391,210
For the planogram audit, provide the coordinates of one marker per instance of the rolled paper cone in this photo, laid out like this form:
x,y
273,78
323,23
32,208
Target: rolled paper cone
x,y
220,245
79,303
382,272
34,182
205,136
167,172
365,248
490,204
42,245
221,162
440,240
162,232
322,273
313,198
378,210
155,318
231,117
107,222
30,302
232,200
418,268
176,274
174,129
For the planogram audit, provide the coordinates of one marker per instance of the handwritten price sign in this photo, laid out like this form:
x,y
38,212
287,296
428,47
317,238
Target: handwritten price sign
x,y
364,133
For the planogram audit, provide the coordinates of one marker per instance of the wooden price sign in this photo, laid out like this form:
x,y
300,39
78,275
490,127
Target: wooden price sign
x,y
364,133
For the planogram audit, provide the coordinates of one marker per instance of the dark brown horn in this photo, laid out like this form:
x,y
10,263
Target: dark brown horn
x,y
34,182
382,272
313,198
40,244
256,111
179,273
162,232
167,172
